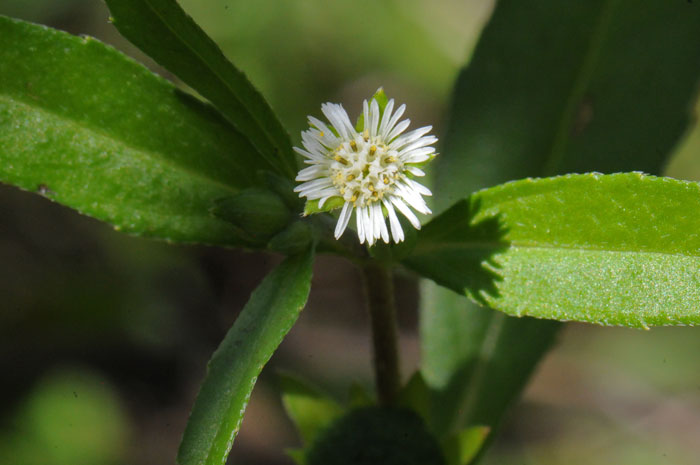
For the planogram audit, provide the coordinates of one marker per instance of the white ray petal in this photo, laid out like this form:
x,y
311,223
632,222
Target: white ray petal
x,y
409,137
384,233
369,227
307,154
360,224
394,223
334,115
398,129
312,172
373,118
392,122
386,116
365,115
418,155
422,142
418,187
413,198
313,184
415,171
403,208
343,220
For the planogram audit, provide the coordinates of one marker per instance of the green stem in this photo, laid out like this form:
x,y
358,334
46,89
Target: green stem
x,y
380,302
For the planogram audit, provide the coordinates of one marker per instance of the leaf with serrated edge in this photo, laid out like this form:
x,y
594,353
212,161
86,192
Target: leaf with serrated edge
x,y
168,35
90,128
235,366
617,249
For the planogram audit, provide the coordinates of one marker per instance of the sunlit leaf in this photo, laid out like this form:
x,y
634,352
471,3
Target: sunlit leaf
x,y
552,87
86,126
165,32
618,249
310,410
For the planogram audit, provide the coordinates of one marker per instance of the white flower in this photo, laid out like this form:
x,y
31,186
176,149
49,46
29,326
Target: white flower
x,y
370,170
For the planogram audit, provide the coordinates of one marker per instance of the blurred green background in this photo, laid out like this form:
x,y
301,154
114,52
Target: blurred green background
x,y
104,338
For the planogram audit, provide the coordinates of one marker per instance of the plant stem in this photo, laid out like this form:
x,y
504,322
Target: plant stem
x,y
380,302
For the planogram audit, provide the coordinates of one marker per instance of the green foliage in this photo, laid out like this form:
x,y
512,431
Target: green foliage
x,y
556,87
294,239
233,369
258,213
310,410
607,249
415,395
87,127
333,203
552,87
464,446
376,436
166,33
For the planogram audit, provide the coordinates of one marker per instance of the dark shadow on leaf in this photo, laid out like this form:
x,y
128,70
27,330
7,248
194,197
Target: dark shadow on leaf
x,y
456,252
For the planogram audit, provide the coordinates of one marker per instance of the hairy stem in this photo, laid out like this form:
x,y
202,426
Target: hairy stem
x,y
380,302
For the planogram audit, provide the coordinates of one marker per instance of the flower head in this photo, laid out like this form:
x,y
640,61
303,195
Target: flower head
x,y
368,169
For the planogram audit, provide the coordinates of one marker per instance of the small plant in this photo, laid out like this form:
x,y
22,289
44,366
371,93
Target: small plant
x,y
89,128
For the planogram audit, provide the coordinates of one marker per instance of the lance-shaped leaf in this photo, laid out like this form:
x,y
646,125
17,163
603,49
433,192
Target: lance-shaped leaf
x,y
166,33
90,128
608,89
618,249
233,369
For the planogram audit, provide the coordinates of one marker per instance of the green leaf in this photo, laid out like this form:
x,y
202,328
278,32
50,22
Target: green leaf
x,y
560,87
376,436
464,446
297,455
615,249
359,397
415,395
552,87
331,204
166,33
259,213
294,239
86,126
310,410
233,369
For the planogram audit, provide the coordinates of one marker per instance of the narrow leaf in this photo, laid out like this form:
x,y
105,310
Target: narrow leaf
x,y
616,249
233,369
166,33
86,126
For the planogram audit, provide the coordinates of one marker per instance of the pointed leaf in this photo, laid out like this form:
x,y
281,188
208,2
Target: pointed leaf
x,y
359,397
168,35
310,410
415,395
86,126
463,447
233,369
